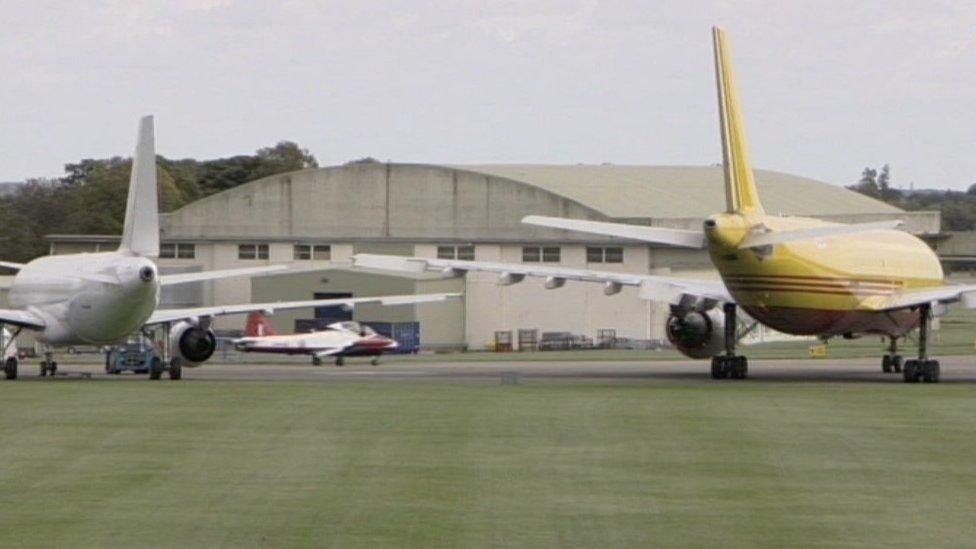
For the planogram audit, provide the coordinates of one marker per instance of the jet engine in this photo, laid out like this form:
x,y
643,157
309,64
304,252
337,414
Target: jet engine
x,y
192,343
697,334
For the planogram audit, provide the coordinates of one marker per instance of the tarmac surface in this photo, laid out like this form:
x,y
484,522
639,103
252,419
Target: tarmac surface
x,y
959,369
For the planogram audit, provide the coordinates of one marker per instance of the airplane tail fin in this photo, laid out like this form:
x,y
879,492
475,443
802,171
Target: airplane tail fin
x,y
740,186
140,233
258,325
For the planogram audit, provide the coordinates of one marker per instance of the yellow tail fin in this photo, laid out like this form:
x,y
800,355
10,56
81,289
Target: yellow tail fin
x,y
740,187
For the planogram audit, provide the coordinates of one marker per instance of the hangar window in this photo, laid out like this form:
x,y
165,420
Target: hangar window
x,y
599,254
313,251
252,251
546,254
177,250
464,253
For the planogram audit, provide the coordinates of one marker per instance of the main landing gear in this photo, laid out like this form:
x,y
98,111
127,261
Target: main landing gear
x,y
922,369
49,365
729,365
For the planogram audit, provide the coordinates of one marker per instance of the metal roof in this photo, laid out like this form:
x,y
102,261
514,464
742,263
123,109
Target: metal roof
x,y
680,191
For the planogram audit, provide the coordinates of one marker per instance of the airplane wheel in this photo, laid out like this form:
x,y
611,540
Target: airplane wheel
x,y
886,364
43,369
176,369
375,362
718,368
10,368
316,361
53,368
340,361
155,368
931,371
911,371
896,362
741,366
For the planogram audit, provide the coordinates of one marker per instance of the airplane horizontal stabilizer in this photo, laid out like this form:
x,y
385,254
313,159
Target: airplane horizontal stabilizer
x,y
779,237
183,278
672,237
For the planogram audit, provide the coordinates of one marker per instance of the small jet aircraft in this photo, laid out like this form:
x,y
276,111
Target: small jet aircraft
x,y
796,275
337,341
102,298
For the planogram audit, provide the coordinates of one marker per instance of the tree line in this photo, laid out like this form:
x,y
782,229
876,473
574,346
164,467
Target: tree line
x,y
90,198
958,207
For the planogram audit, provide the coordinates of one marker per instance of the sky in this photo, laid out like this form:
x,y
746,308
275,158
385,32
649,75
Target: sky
x,y
828,87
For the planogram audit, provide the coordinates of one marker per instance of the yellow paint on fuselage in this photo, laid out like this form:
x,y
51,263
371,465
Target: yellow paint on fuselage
x,y
854,272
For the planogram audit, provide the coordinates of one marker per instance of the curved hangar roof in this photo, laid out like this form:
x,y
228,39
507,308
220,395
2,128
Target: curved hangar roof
x,y
481,203
682,191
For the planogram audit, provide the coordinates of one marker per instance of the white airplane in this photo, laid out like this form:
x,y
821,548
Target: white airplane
x,y
338,340
102,298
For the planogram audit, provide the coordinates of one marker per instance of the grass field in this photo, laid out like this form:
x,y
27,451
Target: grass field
x,y
427,464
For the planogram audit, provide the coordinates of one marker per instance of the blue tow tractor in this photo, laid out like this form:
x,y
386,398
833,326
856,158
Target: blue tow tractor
x,y
135,355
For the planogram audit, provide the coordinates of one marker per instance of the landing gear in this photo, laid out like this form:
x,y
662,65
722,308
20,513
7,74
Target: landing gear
x,y
892,362
730,365
176,368
340,361
923,369
11,363
375,361
49,365
155,368
733,367
316,361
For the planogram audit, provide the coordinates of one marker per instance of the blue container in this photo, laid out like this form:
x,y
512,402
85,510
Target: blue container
x,y
407,335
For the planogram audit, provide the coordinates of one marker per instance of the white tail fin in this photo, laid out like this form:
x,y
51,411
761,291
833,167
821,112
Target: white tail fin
x,y
140,233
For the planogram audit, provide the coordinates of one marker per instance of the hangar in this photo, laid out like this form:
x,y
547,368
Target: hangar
x,y
316,219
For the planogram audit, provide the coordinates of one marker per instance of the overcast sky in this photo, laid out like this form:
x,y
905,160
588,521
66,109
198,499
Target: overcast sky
x,y
828,87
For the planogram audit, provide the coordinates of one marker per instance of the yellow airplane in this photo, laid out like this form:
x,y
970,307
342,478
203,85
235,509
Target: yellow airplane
x,y
796,275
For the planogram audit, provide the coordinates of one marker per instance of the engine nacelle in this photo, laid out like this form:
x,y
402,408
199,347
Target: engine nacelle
x,y
192,343
697,334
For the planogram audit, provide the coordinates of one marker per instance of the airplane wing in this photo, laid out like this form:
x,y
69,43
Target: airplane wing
x,y
330,352
22,318
673,237
194,313
965,293
11,265
665,289
183,278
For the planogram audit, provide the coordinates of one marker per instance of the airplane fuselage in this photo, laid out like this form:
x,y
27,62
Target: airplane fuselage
x,y
328,343
96,298
827,286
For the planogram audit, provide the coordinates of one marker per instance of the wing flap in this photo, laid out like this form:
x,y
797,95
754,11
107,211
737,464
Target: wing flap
x,y
964,293
18,317
673,290
175,315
